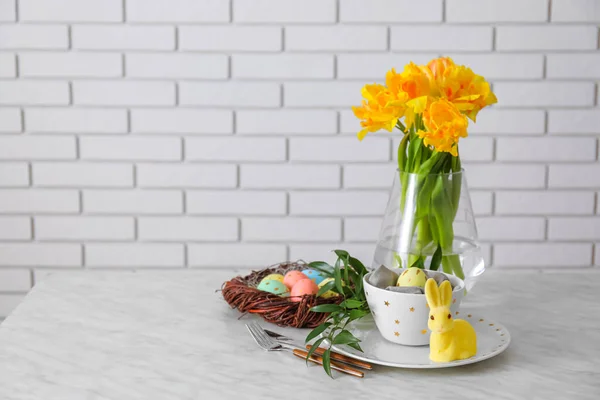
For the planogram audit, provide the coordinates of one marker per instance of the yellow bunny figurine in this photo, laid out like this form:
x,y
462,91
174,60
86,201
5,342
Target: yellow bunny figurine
x,y
451,339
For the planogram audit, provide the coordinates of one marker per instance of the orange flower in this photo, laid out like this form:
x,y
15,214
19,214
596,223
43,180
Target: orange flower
x,y
411,92
412,87
380,110
460,85
445,126
439,65
415,81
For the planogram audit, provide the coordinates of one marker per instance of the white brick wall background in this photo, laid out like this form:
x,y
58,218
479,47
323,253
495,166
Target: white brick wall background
x,y
218,133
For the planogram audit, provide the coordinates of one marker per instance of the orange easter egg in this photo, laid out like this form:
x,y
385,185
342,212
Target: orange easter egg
x,y
303,287
292,277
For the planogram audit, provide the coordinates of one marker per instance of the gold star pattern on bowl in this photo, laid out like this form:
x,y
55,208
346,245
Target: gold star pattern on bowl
x,y
412,309
387,303
424,331
397,333
396,322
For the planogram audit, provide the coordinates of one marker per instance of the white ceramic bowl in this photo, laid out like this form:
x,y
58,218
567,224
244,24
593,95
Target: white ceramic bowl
x,y
402,317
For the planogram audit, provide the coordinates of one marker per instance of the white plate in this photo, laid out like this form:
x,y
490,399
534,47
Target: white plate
x,y
492,339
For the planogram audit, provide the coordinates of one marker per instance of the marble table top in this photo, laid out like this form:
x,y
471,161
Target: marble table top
x,y
170,335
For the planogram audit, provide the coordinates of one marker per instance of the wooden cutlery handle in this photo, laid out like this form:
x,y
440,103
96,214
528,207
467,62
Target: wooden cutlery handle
x,y
342,358
338,367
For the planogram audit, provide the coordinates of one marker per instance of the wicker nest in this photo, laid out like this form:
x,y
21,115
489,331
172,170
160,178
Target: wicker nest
x,y
241,293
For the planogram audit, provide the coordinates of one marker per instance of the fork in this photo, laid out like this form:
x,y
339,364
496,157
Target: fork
x,y
278,336
319,351
266,343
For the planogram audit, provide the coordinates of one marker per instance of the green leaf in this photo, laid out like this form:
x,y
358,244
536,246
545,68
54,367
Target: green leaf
x,y
356,314
355,346
428,167
314,347
325,288
317,331
326,308
424,197
398,260
442,211
418,263
322,267
452,262
350,278
345,337
350,303
358,265
436,259
359,292
434,229
342,254
456,184
338,278
415,148
327,362
402,153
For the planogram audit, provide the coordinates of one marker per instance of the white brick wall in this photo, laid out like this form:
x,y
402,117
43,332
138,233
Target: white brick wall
x,y
234,38
177,11
218,133
75,120
70,11
69,65
33,36
122,37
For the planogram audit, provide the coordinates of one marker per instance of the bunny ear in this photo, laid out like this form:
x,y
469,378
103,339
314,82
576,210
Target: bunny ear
x,y
446,293
432,293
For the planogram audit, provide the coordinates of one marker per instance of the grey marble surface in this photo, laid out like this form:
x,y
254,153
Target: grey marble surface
x,y
169,335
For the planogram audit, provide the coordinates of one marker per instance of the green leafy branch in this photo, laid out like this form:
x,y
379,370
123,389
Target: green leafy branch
x,y
347,274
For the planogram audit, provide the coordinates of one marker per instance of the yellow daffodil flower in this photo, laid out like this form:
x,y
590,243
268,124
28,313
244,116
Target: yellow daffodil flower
x,y
379,110
412,88
415,81
411,93
445,126
460,85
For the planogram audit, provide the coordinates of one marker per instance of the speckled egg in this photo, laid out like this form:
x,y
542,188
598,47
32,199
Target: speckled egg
x,y
292,277
273,277
330,293
303,287
273,286
412,277
314,275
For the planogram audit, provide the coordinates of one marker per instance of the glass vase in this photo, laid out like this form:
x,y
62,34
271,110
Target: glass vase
x,y
429,223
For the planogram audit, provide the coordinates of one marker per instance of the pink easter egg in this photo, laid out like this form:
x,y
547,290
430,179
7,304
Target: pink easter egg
x,y
292,277
303,287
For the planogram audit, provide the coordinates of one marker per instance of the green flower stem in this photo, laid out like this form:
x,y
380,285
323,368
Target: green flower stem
x,y
424,233
437,199
402,160
451,264
423,239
